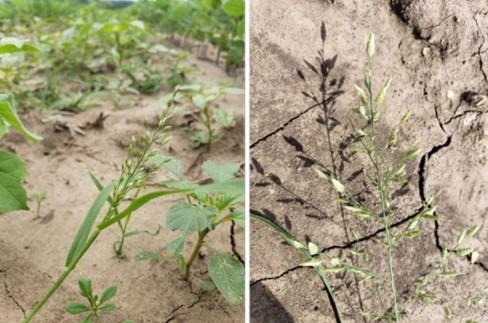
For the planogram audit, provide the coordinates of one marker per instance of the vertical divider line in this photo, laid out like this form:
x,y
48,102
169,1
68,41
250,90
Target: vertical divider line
x,y
247,169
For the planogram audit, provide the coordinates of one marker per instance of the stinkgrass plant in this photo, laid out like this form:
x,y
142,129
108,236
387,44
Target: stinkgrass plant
x,y
94,305
387,173
115,193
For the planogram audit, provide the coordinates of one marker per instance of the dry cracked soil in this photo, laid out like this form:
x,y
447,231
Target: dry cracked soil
x,y
34,247
436,53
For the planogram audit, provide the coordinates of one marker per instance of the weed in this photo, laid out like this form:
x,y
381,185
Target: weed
x,y
95,304
39,198
310,253
130,181
206,207
213,118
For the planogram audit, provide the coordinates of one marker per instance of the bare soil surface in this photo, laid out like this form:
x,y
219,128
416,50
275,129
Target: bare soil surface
x,y
436,54
34,248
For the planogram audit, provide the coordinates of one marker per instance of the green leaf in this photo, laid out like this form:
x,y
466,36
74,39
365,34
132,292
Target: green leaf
x,y
9,115
464,252
107,308
461,237
147,255
473,230
13,48
88,319
172,165
362,95
227,274
12,172
108,294
370,47
381,96
188,218
77,308
314,262
85,288
199,100
136,204
232,187
234,8
181,263
337,185
360,212
238,217
313,248
87,225
225,118
3,128
232,90
220,171
208,285
176,246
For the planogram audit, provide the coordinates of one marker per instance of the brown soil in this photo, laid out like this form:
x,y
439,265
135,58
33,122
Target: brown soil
x,y
34,249
436,54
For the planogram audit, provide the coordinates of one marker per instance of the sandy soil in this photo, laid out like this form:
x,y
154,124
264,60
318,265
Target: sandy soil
x,y
34,249
436,54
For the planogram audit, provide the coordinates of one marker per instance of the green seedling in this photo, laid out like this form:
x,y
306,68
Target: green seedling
x,y
94,305
150,83
76,104
39,198
213,118
124,37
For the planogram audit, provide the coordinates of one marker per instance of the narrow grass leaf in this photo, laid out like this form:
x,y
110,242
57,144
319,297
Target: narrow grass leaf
x,y
87,225
314,262
136,204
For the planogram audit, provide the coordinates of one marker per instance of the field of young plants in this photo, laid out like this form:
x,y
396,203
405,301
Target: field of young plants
x,y
369,161
121,151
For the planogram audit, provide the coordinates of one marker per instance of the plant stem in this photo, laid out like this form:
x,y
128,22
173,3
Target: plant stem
x,y
196,250
208,125
123,229
62,277
382,188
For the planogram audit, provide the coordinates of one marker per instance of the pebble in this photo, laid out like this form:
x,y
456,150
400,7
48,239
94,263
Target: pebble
x,y
426,52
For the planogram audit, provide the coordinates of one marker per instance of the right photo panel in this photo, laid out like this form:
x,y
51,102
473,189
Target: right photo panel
x,y
369,158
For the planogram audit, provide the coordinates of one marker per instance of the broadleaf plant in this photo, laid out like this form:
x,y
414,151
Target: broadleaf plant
x,y
213,119
94,305
207,206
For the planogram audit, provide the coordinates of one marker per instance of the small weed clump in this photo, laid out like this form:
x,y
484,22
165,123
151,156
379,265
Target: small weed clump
x,y
95,305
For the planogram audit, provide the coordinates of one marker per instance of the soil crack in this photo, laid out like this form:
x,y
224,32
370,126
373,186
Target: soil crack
x,y
233,243
9,294
284,125
480,58
174,312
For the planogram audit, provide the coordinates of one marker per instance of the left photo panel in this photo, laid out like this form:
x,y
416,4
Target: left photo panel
x,y
122,190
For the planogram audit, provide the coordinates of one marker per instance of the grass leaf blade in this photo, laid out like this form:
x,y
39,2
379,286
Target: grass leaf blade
x,y
87,225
